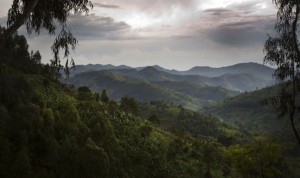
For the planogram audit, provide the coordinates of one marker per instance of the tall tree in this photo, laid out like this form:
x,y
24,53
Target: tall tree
x,y
283,51
104,98
46,15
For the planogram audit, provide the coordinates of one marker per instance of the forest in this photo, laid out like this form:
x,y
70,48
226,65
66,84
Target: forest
x,y
51,129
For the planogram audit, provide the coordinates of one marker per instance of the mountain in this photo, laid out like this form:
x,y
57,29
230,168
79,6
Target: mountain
x,y
93,67
247,111
239,77
204,92
236,82
119,85
251,68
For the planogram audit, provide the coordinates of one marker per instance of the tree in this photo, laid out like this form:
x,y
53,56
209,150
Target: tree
x,y
259,158
84,94
36,57
129,104
104,98
42,14
283,51
154,119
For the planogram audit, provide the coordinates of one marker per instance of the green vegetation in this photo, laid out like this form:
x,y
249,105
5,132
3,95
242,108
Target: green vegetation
x,y
118,85
50,129
249,111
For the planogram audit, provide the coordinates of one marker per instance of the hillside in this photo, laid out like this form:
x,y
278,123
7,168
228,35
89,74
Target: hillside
x,y
239,77
118,85
204,92
254,69
251,68
92,67
248,111
236,82
171,117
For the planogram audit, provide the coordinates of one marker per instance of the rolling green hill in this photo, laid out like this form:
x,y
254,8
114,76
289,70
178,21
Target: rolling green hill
x,y
189,95
248,111
204,92
239,77
251,68
171,117
236,82
118,85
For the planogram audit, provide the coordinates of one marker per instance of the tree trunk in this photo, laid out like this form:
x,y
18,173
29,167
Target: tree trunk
x,y
294,128
2,42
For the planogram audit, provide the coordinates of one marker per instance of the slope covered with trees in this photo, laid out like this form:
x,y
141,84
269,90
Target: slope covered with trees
x,y
50,129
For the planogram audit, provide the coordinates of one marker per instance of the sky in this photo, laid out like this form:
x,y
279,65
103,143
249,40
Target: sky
x,y
175,34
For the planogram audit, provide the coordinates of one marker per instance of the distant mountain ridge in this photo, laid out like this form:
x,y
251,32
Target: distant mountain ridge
x,y
119,85
154,83
236,82
252,68
255,69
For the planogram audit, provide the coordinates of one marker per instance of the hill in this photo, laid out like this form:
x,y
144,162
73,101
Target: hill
x,y
251,68
236,82
160,86
204,92
239,77
93,67
118,85
248,111
254,69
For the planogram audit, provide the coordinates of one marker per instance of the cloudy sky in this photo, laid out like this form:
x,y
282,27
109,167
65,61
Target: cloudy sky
x,y
176,34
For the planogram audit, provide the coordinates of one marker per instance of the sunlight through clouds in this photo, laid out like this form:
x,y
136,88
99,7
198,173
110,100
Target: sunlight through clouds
x,y
188,32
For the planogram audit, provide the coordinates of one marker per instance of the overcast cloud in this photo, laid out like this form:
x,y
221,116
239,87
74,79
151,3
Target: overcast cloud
x,y
176,34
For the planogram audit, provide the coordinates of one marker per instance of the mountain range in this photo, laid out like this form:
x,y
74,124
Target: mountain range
x,y
255,69
185,88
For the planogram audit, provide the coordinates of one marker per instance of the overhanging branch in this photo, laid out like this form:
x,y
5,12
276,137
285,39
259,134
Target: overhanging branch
x,y
21,20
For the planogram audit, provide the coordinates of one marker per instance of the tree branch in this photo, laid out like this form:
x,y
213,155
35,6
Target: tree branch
x,y
12,29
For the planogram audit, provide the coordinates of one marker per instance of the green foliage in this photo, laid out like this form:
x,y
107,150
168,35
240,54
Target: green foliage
x,y
154,119
84,94
129,104
257,159
104,98
249,112
283,51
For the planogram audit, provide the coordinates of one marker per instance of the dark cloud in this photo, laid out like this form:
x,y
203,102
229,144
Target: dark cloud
x,y
242,33
95,27
110,6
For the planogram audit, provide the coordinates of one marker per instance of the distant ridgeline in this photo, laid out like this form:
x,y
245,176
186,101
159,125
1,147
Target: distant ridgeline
x,y
193,89
51,129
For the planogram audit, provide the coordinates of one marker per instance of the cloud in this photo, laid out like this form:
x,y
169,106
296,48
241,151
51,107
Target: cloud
x,y
97,28
92,27
110,6
172,33
242,33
